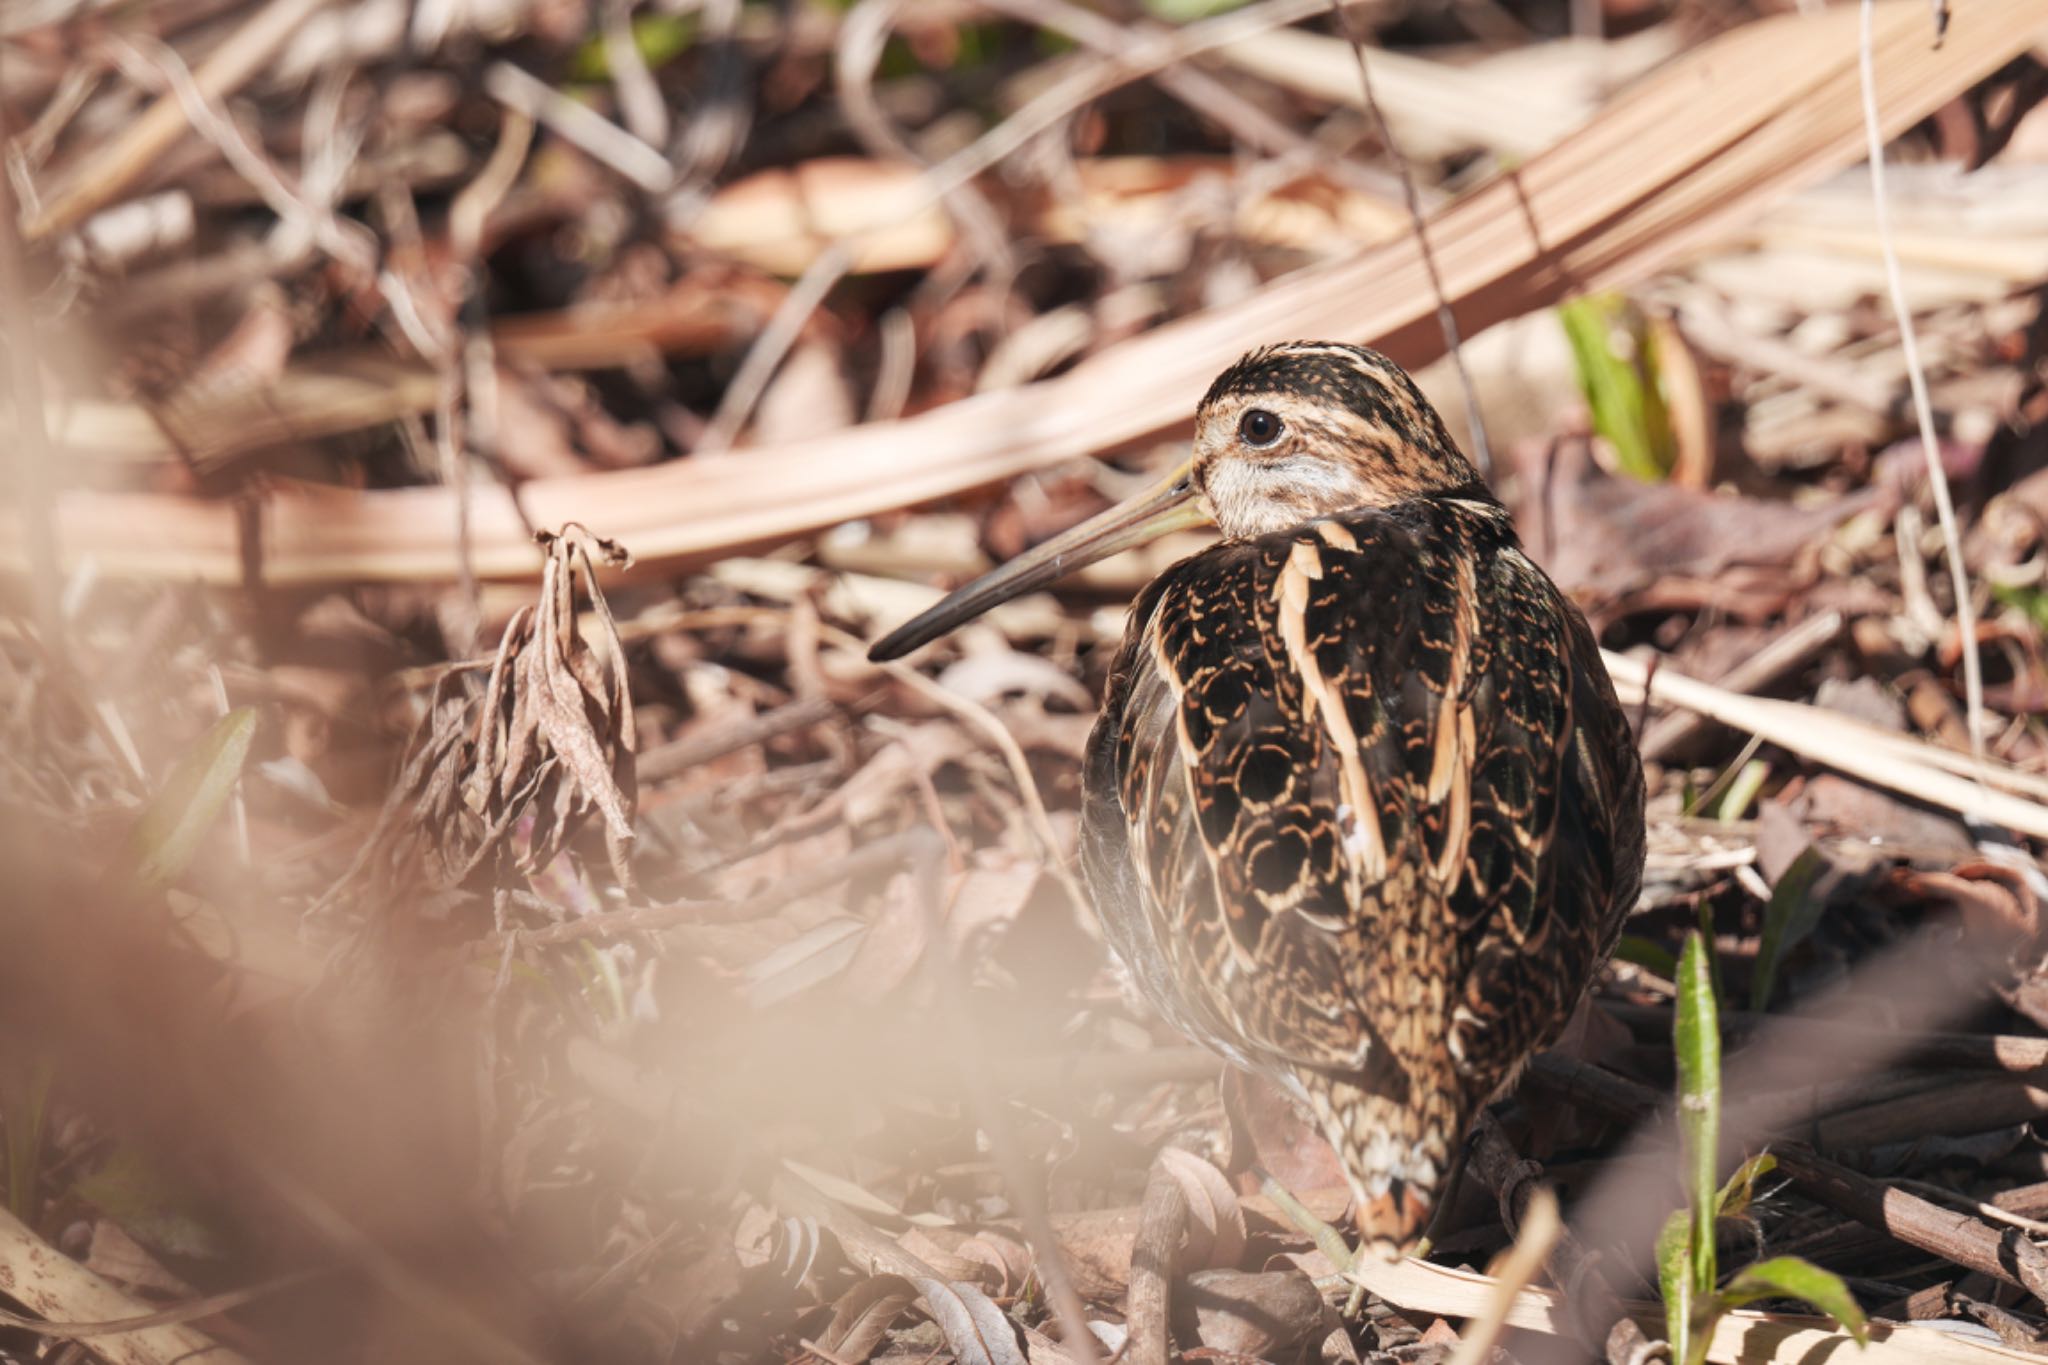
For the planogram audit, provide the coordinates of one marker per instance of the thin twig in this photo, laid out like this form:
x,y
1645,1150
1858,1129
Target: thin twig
x,y
981,718
34,470
1541,1227
1923,410
1482,449
1789,650
348,242
516,88
1085,82
1162,1222
993,1117
879,855
143,143
172,1315
1207,95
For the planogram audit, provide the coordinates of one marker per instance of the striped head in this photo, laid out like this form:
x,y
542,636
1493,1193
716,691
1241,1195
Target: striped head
x,y
1287,435
1309,429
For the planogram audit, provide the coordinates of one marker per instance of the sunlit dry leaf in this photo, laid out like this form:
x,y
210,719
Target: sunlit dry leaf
x,y
894,943
988,675
1278,1138
974,1327
808,397
1216,1235
859,1198
819,955
1097,1248
1271,1315
1996,902
863,1315
939,1248
876,789
118,1256
253,354
168,835
512,774
988,898
1009,1257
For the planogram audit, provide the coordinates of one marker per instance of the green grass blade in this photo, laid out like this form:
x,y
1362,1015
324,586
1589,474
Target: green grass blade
x,y
25,1104
1792,914
1735,1196
1674,1278
1649,956
176,821
658,38
1615,358
1788,1277
1749,781
1699,1105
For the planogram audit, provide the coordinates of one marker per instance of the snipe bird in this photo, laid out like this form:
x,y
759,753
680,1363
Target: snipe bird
x,y
1361,810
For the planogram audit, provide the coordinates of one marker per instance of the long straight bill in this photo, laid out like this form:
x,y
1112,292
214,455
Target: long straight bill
x,y
1170,505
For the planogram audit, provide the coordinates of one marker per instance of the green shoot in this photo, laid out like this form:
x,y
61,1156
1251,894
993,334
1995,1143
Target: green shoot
x,y
25,1106
1688,1269
181,814
1651,957
658,38
1793,913
1749,781
1616,358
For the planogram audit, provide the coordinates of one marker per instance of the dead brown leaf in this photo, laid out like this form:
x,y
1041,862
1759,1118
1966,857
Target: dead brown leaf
x,y
1269,1132
556,738
1275,1315
1606,536
864,1314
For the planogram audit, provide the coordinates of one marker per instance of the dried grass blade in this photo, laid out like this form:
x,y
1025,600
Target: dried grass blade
x,y
1706,142
1863,751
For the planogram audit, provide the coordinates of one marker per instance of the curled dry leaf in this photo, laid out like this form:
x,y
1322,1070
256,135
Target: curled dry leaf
x,y
816,956
1275,1315
1216,1234
1096,1245
941,1249
1007,1256
1269,1133
512,774
864,1314
1995,901
988,675
975,1329
556,736
1606,537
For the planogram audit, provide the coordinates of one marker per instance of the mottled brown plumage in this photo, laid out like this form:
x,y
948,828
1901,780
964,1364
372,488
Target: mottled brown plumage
x,y
1362,812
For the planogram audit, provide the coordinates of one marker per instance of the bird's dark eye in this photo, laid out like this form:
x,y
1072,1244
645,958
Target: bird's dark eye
x,y
1258,427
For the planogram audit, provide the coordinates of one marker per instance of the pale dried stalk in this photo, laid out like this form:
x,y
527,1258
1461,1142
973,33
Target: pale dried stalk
x,y
1664,168
302,219
1080,85
1446,319
118,164
1740,1338
980,718
1862,751
576,123
58,1288
1923,410
1541,1227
